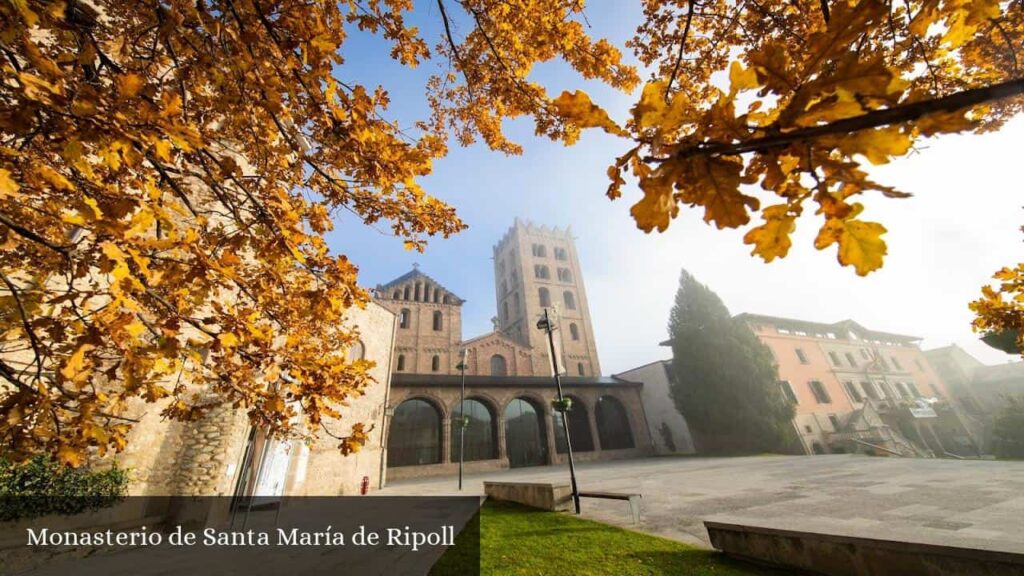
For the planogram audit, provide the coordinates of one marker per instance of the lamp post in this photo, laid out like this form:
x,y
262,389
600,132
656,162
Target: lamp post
x,y
462,414
546,325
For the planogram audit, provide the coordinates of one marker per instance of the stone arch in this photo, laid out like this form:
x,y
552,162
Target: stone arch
x,y
438,323
416,432
579,427
525,431
613,426
481,442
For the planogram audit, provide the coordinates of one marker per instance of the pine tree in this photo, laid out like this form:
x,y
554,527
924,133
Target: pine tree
x,y
725,382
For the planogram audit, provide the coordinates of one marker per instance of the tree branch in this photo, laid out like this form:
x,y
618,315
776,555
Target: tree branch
x,y
874,119
682,47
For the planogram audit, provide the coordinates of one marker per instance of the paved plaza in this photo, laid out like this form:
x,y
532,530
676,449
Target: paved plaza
x,y
956,502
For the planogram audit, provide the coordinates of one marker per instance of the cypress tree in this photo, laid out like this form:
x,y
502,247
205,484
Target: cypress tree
x,y
725,382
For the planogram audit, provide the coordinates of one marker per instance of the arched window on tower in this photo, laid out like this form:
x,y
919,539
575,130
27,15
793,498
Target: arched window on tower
x,y
438,321
403,318
574,331
405,296
437,296
541,271
545,297
504,311
397,295
579,368
570,300
564,275
401,363
446,299
435,363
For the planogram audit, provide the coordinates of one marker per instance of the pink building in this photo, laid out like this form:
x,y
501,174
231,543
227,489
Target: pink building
x,y
861,390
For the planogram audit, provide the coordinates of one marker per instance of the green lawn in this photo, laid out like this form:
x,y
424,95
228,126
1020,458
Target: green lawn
x,y
519,540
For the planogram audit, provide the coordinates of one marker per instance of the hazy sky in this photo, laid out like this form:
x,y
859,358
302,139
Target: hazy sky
x,y
962,224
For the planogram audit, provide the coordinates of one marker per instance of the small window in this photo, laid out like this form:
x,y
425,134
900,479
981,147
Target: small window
x,y
438,321
403,318
851,359
574,331
545,297
803,357
579,368
561,254
835,359
914,390
401,363
504,311
808,428
855,394
869,390
570,300
406,295
539,250
896,363
835,421
397,295
902,390
541,271
820,394
787,391
435,363
564,275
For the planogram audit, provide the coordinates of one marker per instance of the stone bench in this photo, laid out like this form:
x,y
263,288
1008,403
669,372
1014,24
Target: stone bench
x,y
546,496
813,548
634,500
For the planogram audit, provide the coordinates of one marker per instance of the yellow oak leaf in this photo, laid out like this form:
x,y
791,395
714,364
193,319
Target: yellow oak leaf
x,y
741,78
70,455
860,243
8,187
771,240
75,367
228,339
129,85
577,108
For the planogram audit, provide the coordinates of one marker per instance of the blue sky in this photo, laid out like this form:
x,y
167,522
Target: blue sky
x,y
940,250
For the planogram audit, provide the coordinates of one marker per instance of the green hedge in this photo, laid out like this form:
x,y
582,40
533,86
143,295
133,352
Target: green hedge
x,y
43,486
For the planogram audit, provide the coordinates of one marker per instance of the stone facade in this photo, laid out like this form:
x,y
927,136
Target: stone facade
x,y
429,323
508,371
207,457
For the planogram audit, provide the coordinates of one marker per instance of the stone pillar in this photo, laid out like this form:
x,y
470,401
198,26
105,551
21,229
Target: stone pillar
x,y
446,440
502,448
549,427
592,417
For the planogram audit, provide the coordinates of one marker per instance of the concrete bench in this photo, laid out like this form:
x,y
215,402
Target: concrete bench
x,y
634,500
810,547
546,496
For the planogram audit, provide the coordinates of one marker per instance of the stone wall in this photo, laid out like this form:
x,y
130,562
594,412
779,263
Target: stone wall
x,y
669,431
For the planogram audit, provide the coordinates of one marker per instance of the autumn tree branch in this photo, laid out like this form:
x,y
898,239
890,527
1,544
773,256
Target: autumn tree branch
x,y
873,119
682,47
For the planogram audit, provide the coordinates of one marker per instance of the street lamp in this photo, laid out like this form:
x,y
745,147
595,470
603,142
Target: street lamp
x,y
462,414
545,325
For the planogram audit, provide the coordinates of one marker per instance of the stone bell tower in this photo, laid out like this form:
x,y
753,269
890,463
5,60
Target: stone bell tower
x,y
536,267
